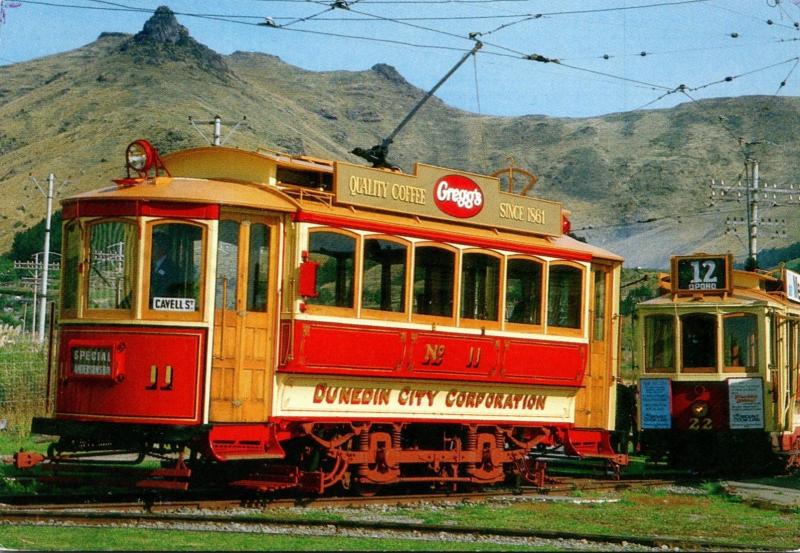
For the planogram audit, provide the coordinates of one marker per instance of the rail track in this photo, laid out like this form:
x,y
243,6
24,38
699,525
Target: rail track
x,y
257,522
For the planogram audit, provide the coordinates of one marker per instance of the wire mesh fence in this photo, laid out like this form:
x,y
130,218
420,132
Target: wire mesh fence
x,y
23,381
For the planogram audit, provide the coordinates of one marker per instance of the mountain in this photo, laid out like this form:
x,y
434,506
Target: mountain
x,y
636,182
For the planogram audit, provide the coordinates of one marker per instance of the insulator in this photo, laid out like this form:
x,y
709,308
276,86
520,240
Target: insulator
x,y
397,434
499,439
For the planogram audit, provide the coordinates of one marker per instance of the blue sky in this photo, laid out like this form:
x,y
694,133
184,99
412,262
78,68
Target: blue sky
x,y
697,43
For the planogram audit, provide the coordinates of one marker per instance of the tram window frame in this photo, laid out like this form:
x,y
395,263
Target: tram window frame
x,y
454,284
132,272
474,322
714,325
666,344
314,304
71,267
581,306
378,313
727,351
538,315
199,313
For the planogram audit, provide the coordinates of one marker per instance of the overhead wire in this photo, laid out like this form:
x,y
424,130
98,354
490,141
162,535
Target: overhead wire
x,y
115,6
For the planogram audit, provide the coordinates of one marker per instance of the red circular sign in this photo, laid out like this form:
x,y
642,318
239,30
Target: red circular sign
x,y
458,196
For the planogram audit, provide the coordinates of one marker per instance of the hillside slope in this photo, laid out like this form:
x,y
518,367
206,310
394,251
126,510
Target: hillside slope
x,y
73,114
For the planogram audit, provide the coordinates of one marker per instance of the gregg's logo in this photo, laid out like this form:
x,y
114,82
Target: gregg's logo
x,y
458,196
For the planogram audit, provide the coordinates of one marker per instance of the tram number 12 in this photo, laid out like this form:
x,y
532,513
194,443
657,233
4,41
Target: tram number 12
x,y
708,278
700,424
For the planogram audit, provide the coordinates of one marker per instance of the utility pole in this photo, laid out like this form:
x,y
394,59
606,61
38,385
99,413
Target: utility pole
x,y
753,190
217,122
46,263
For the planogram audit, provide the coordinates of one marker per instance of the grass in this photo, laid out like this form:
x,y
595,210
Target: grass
x,y
704,514
139,539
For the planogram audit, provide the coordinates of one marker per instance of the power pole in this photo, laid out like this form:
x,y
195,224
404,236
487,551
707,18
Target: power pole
x,y
46,263
217,122
753,190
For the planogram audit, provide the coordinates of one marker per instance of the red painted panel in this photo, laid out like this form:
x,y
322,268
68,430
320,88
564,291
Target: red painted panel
x,y
348,348
180,210
106,208
558,363
134,398
439,355
714,394
175,210
69,210
328,348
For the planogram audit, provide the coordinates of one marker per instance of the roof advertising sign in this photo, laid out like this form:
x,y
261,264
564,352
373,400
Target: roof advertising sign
x,y
445,194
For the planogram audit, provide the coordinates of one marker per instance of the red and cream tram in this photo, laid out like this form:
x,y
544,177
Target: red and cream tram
x,y
317,323
719,354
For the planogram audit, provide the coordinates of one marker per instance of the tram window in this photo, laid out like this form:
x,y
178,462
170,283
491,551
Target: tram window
x,y
699,342
434,269
112,265
564,296
227,265
72,259
383,281
659,335
336,255
599,323
524,291
739,341
480,280
175,265
258,268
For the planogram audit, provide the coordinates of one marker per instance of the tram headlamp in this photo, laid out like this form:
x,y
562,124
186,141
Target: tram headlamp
x,y
699,408
140,156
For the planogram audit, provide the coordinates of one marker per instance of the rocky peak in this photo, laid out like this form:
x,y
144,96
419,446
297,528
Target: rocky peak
x,y
389,73
163,27
163,39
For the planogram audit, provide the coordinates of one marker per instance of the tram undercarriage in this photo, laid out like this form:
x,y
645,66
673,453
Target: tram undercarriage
x,y
321,457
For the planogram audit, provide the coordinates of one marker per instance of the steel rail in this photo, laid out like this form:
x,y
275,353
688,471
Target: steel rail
x,y
107,519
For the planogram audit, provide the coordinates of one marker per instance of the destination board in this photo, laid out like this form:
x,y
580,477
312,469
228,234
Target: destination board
x,y
702,274
792,281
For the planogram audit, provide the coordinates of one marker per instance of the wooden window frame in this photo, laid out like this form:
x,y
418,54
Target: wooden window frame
x,y
675,339
582,308
369,313
74,312
333,310
437,319
86,312
738,368
464,322
682,369
177,316
532,328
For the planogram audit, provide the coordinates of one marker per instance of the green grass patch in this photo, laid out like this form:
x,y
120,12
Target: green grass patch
x,y
42,538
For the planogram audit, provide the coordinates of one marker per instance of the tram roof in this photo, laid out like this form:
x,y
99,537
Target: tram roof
x,y
263,180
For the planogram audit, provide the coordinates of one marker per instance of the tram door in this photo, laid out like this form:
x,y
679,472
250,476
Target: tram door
x,y
241,369
592,402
